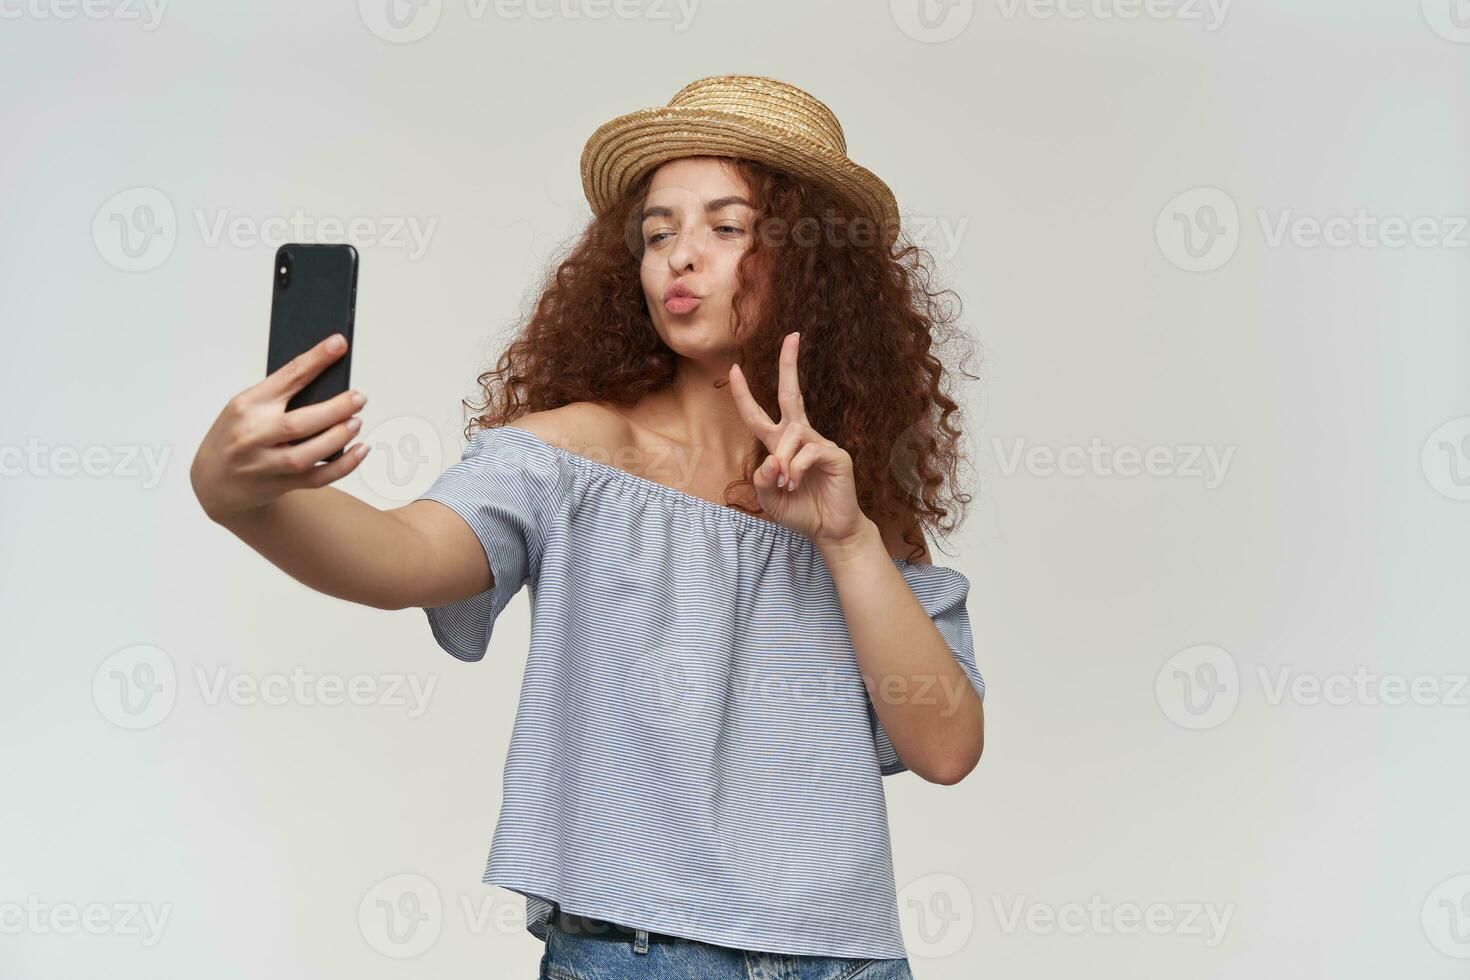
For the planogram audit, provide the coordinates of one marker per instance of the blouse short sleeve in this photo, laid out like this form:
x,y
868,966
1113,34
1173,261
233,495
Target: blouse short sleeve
x,y
502,487
942,592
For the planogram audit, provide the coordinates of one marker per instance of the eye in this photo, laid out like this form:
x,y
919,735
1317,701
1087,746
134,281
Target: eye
x,y
656,237
734,228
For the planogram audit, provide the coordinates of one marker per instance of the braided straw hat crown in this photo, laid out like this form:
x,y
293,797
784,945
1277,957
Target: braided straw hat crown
x,y
746,116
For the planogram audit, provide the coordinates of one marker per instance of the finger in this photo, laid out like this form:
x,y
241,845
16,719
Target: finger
x,y
298,460
755,417
294,375
807,457
331,472
764,477
792,439
788,386
311,419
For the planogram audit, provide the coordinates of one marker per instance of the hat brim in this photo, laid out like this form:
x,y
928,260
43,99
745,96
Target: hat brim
x,y
623,149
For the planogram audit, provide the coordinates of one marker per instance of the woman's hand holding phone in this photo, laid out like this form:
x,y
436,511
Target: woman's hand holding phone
x,y
246,461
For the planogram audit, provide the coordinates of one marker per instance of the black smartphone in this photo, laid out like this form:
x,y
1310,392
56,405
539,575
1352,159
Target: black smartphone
x,y
315,296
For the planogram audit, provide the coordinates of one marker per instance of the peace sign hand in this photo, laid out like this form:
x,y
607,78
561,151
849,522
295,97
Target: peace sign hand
x,y
806,483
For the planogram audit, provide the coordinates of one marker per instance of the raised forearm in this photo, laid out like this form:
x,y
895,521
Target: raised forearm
x,y
920,692
337,544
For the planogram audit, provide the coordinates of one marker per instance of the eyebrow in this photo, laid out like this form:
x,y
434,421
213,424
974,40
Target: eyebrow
x,y
660,211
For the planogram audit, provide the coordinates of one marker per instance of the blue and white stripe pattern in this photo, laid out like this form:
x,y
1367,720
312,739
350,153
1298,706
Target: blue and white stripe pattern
x,y
694,752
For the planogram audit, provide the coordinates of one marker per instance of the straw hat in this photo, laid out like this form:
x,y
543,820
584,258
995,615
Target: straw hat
x,y
745,116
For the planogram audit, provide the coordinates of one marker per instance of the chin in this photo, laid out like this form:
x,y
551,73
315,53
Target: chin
x,y
692,336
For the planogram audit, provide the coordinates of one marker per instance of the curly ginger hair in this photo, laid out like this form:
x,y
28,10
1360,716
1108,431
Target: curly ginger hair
x,y
870,325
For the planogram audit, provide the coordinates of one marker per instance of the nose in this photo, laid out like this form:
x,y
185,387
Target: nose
x,y
688,251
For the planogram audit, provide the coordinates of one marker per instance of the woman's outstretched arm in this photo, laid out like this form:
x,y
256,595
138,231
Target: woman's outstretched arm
x,y
275,497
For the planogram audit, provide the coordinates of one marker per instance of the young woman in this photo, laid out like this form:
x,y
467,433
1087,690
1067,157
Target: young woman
x,y
711,452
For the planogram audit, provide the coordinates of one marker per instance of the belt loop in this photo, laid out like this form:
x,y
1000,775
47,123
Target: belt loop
x,y
640,943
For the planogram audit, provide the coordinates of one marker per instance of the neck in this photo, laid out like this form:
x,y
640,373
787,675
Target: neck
x,y
697,409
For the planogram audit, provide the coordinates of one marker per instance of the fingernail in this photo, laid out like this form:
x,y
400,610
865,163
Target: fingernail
x,y
359,399
336,342
353,423
781,480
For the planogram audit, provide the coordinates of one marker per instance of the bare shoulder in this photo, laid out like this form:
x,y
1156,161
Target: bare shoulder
x,y
585,428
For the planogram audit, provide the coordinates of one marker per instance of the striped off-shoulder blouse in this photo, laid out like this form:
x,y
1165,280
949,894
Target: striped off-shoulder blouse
x,y
694,751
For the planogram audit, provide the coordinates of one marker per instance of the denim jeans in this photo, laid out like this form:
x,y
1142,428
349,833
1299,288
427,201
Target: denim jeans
x,y
573,956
